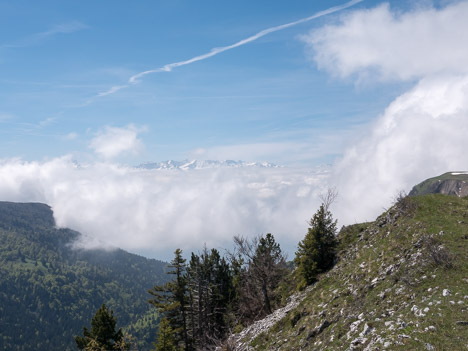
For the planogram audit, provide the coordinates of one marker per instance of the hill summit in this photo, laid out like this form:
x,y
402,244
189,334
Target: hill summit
x,y
451,183
400,283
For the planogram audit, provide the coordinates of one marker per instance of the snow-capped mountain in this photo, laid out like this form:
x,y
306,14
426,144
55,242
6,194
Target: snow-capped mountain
x,y
203,164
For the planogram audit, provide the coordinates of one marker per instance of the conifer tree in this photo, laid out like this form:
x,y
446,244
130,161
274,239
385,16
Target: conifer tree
x,y
268,264
102,335
210,293
171,299
259,266
166,340
317,251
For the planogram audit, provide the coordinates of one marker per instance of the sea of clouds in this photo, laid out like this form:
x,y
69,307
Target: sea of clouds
x,y
159,210
422,133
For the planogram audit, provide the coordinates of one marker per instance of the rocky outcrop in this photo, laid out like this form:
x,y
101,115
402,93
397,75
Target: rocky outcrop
x,y
453,183
241,341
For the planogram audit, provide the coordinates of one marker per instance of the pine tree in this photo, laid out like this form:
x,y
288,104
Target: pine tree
x,y
259,266
102,335
171,299
317,251
166,340
268,264
210,293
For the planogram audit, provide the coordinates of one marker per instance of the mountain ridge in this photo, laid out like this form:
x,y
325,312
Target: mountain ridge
x,y
49,290
202,164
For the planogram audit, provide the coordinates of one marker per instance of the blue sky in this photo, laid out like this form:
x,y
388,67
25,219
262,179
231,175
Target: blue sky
x,y
56,57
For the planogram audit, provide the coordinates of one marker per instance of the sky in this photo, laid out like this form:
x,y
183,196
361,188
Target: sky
x,y
378,91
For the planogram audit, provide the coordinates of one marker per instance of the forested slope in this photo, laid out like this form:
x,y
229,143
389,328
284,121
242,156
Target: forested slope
x,y
49,291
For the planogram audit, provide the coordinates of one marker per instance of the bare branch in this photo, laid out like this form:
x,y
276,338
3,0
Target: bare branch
x,y
328,198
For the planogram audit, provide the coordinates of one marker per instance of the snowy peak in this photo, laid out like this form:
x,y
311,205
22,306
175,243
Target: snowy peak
x,y
203,164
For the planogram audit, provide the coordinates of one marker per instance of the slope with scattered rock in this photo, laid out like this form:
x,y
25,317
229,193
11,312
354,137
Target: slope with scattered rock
x,y
401,283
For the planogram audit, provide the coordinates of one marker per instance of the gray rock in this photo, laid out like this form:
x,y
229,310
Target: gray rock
x,y
367,329
353,328
356,342
318,329
241,341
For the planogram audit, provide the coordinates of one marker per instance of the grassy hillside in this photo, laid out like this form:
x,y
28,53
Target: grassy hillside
x,y
401,283
48,291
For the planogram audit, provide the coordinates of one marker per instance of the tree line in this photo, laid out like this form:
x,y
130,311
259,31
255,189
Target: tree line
x,y
211,296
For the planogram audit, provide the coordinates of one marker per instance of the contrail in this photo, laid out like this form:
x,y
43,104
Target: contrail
x,y
215,51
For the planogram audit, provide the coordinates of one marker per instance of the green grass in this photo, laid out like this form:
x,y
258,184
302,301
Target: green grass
x,y
412,242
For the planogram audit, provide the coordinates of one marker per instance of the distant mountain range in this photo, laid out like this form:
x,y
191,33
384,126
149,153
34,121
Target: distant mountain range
x,y
203,164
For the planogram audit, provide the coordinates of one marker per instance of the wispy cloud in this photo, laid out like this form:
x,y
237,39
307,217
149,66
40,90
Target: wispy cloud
x,y
47,122
33,39
63,28
33,128
215,51
70,136
5,117
112,90
312,149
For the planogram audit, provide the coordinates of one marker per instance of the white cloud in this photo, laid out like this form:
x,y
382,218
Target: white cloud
x,y
70,136
116,141
46,122
421,134
112,90
379,43
158,211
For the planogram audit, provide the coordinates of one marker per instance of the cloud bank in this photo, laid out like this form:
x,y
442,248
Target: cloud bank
x,y
394,46
157,211
423,132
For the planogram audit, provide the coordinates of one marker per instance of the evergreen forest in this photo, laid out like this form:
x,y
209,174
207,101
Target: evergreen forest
x,y
49,291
